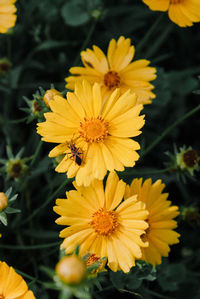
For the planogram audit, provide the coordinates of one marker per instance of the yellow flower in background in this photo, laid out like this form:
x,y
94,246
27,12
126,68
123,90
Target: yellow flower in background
x,y
12,285
115,70
7,15
182,12
102,224
93,134
160,233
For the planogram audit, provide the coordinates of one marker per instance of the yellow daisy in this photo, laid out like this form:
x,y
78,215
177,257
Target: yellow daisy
x,y
102,224
182,12
93,134
115,70
160,233
12,285
7,15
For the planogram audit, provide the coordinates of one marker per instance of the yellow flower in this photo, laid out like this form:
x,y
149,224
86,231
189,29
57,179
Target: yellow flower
x,y
93,134
7,16
71,269
115,70
182,12
12,285
102,224
160,233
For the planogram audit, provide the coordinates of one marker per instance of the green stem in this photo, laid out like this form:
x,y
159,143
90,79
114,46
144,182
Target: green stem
x,y
36,153
148,34
29,277
65,294
46,202
169,129
31,247
9,47
138,172
86,42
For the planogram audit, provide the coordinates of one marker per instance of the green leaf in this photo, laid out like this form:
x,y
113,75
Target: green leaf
x,y
10,210
171,276
13,198
48,271
8,192
133,282
50,44
75,13
118,279
3,218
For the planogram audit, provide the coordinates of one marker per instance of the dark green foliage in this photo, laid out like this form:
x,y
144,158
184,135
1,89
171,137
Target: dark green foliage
x,y
44,44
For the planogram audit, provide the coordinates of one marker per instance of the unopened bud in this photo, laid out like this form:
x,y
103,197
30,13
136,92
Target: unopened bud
x,y
187,159
3,201
71,269
5,66
49,95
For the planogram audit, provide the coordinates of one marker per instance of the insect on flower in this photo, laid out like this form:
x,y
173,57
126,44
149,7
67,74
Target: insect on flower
x,y
75,153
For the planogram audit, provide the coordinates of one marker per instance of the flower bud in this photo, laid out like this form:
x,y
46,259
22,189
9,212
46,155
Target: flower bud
x,y
187,159
191,215
3,201
71,269
16,168
5,66
49,95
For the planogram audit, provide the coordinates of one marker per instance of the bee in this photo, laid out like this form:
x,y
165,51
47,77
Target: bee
x,y
75,153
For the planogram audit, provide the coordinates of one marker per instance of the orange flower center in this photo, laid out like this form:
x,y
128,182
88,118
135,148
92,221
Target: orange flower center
x,y
94,129
2,296
104,222
190,158
175,1
111,79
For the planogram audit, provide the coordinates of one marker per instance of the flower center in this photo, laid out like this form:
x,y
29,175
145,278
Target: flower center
x,y
175,1
2,296
111,79
104,222
94,129
190,158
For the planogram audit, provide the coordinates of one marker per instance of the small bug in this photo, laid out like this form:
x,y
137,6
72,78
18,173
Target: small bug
x,y
75,154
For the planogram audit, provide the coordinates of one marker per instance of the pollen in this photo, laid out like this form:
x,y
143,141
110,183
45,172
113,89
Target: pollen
x,y
94,129
190,158
104,222
111,79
